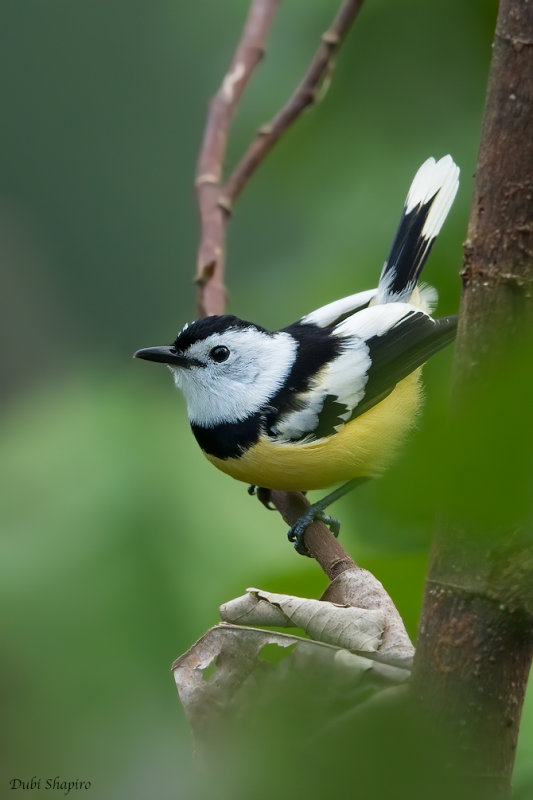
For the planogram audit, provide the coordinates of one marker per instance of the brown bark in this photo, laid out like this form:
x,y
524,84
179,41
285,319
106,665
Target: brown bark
x,y
319,540
475,638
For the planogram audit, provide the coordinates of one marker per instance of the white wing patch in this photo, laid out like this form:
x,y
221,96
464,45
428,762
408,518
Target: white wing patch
x,y
300,424
342,382
343,379
327,315
374,321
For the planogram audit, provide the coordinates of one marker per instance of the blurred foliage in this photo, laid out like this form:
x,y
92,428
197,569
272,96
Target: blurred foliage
x,y
118,540
375,747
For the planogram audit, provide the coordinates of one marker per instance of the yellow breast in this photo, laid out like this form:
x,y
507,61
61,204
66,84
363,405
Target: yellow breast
x,y
363,447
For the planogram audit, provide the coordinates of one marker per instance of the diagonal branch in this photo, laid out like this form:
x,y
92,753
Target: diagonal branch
x,y
319,540
315,80
214,201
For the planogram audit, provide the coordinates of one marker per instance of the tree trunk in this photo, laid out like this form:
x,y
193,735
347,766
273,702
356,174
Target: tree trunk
x,y
476,636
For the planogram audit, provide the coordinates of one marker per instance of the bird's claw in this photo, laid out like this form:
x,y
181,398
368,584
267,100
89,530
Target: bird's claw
x,y
263,495
313,514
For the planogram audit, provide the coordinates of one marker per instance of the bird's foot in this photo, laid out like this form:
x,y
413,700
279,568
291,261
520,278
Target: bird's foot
x,y
263,495
314,513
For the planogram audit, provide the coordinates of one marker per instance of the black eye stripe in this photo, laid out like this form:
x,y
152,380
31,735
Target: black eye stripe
x,y
219,353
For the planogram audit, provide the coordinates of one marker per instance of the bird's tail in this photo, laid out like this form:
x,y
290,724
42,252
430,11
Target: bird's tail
x,y
428,202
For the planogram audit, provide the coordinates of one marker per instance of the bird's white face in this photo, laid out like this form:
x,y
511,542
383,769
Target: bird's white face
x,y
233,373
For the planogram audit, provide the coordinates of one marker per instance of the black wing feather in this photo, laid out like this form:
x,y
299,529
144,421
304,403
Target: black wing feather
x,y
394,355
400,351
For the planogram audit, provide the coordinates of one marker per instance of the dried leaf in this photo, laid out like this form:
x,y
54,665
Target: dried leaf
x,y
235,653
249,609
348,627
358,587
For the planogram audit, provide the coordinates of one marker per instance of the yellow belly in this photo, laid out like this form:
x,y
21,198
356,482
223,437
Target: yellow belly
x,y
364,447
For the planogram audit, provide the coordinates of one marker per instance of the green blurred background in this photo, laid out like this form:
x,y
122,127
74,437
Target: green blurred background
x,y
119,541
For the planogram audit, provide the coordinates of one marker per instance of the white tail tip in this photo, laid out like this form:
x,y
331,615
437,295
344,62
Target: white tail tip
x,y
438,179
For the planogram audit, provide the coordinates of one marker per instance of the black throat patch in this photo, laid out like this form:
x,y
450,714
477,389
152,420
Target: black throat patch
x,y
229,439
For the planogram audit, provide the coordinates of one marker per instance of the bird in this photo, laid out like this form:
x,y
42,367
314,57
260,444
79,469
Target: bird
x,y
330,398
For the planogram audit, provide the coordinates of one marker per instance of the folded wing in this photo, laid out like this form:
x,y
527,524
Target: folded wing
x,y
380,346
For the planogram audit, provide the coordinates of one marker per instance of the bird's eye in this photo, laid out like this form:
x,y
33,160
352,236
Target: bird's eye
x,y
219,353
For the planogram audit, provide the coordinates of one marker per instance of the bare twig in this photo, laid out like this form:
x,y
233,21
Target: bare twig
x,y
306,94
215,202
211,254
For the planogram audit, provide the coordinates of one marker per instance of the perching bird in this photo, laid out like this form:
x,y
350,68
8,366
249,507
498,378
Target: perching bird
x,y
331,397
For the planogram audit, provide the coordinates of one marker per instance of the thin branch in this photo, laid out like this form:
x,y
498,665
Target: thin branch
x,y
215,203
319,540
211,254
315,80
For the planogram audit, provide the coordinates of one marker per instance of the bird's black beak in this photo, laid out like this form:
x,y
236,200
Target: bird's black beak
x,y
165,355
